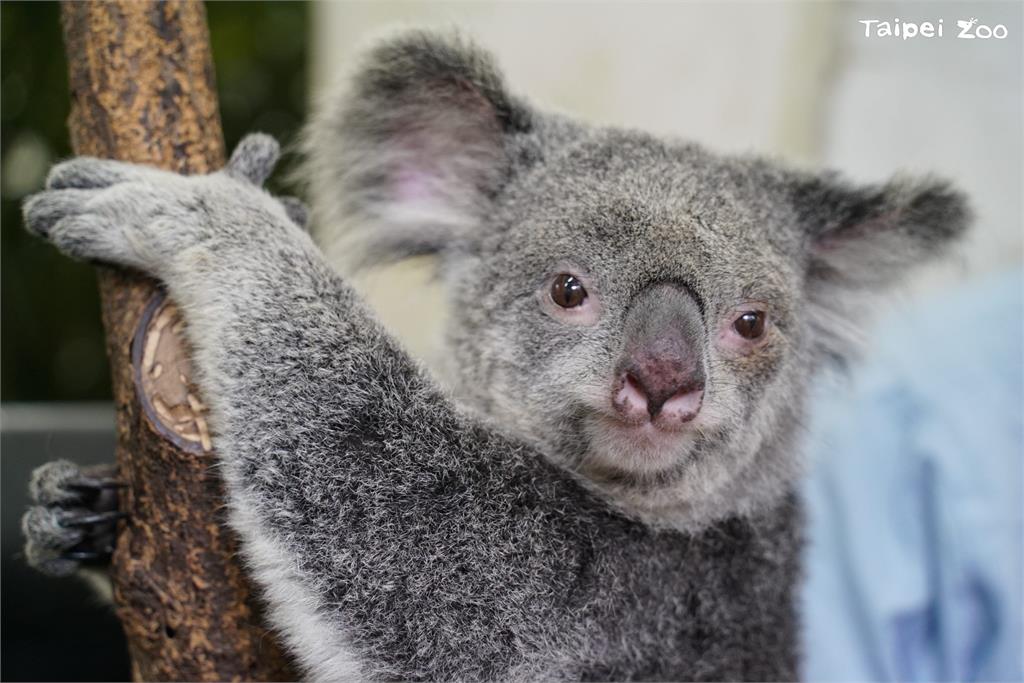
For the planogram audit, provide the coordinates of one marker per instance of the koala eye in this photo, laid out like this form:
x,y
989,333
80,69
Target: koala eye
x,y
567,291
750,324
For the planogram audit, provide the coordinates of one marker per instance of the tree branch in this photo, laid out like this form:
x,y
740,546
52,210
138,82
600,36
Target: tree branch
x,y
142,90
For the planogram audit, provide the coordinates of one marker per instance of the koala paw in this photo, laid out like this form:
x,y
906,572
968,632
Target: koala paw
x,y
72,519
142,217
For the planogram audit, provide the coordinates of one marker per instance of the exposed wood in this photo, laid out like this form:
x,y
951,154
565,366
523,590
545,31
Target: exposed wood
x,y
142,90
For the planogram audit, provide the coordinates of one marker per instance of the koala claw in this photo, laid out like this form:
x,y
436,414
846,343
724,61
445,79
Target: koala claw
x,y
86,484
87,555
72,517
92,519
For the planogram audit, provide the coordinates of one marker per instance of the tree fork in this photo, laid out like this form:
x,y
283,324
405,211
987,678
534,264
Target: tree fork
x,y
142,90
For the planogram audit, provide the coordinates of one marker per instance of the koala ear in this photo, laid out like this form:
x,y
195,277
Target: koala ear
x,y
863,240
408,160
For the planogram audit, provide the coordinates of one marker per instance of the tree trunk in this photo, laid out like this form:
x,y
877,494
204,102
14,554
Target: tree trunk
x,y
142,89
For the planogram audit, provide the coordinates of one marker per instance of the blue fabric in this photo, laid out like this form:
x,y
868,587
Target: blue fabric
x,y
915,504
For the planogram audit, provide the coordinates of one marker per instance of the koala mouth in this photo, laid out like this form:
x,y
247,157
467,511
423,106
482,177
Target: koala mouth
x,y
638,446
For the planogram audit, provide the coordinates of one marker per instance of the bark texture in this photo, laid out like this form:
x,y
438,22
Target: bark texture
x,y
142,89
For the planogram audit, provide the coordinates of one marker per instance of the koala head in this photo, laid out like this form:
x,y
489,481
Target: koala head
x,y
646,313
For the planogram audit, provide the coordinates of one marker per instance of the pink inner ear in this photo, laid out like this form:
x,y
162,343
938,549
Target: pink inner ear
x,y
412,184
850,234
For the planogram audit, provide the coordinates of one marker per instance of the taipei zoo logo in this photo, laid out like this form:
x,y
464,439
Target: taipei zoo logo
x,y
966,29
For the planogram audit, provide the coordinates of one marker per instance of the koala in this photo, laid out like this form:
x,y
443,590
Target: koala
x,y
607,488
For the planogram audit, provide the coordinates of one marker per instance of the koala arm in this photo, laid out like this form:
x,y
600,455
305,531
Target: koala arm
x,y
393,536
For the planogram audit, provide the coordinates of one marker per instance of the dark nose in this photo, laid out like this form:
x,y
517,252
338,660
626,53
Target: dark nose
x,y
667,383
660,375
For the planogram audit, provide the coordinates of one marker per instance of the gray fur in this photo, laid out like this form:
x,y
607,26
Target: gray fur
x,y
505,532
296,210
49,484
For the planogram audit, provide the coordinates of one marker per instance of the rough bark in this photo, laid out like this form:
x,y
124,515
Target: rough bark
x,y
142,89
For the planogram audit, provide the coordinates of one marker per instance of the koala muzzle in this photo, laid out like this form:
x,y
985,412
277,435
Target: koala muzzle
x,y
660,375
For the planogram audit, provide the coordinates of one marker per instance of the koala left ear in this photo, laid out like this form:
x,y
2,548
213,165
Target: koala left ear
x,y
861,240
408,158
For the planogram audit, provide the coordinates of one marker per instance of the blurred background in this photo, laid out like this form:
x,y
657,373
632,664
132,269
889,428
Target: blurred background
x,y
915,487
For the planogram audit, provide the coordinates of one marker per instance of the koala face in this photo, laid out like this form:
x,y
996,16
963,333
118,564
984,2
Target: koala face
x,y
644,312
637,323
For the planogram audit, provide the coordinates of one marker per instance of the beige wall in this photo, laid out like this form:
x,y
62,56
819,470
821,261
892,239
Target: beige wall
x,y
952,107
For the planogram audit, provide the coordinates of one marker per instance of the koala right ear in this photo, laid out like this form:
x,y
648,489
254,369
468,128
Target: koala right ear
x,y
409,158
862,240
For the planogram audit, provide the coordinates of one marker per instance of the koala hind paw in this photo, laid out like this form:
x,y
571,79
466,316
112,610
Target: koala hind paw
x,y
72,519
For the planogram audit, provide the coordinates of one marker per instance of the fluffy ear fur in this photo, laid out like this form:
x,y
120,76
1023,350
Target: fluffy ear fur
x,y
863,240
407,159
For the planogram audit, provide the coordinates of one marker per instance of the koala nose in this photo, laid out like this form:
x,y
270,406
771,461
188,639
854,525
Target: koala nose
x,y
667,387
660,375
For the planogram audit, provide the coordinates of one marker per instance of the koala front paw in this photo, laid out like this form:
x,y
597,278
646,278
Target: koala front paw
x,y
142,217
72,518
100,210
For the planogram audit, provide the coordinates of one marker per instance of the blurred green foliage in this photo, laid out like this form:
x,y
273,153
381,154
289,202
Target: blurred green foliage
x,y
51,340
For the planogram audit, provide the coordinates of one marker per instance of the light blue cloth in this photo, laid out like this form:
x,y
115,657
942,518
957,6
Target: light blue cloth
x,y
915,504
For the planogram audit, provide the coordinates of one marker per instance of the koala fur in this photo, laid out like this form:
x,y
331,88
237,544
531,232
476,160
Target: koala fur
x,y
516,527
